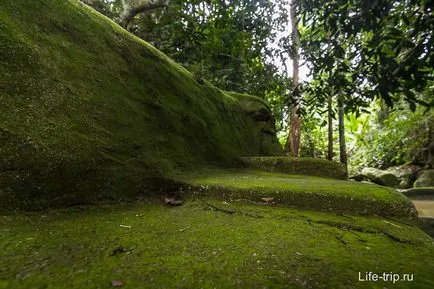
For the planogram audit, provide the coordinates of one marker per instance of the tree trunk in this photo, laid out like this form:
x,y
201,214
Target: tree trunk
x,y
342,145
330,127
295,122
383,113
430,145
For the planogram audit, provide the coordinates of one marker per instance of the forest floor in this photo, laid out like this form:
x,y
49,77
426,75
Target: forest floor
x,y
212,242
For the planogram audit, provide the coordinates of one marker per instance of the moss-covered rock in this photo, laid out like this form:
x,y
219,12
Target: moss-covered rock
x,y
380,177
406,174
301,166
89,111
298,191
425,179
265,123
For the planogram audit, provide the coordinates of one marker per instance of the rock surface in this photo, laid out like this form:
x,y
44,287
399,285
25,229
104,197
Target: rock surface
x,y
406,174
89,111
425,179
299,166
265,125
380,177
422,191
357,177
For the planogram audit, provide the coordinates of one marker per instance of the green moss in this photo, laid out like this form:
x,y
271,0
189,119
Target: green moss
x,y
300,191
91,111
264,123
302,166
249,102
195,246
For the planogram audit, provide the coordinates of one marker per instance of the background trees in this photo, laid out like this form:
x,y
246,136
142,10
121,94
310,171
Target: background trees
x,y
399,137
224,42
363,51
380,48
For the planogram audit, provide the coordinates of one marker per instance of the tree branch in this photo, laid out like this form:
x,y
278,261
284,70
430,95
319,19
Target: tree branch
x,y
130,12
230,212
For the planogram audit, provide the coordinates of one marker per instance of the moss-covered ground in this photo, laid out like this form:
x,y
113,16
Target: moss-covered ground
x,y
200,245
302,166
299,191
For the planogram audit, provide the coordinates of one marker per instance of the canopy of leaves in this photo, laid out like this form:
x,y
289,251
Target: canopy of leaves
x,y
225,42
368,49
385,139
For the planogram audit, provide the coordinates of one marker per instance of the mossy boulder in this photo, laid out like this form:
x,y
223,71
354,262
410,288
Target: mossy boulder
x,y
306,192
380,177
89,111
264,120
406,174
425,179
300,166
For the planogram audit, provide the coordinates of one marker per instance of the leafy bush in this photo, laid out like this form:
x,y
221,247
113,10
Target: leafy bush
x,y
391,138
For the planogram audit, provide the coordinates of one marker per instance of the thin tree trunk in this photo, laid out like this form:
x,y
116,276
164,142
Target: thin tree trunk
x,y
430,145
383,113
330,127
295,122
342,145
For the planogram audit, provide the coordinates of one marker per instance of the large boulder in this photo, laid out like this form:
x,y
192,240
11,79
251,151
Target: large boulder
x,y
425,179
89,111
406,174
264,123
380,177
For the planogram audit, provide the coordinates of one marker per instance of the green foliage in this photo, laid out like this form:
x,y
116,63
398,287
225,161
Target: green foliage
x,y
399,138
313,136
226,43
110,8
360,52
364,50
